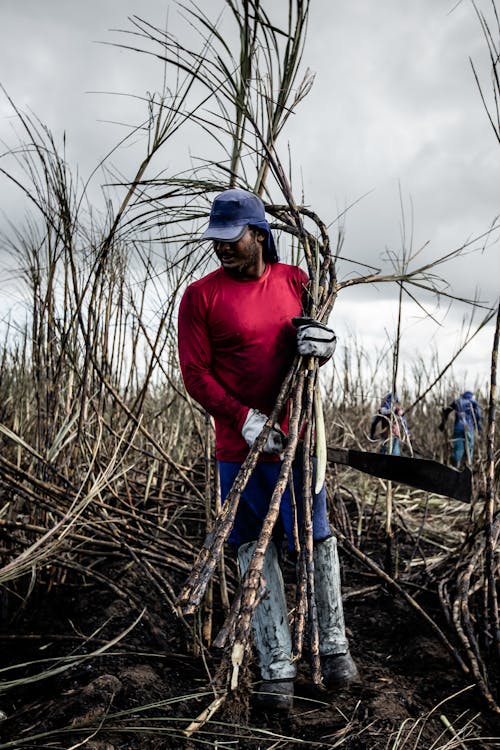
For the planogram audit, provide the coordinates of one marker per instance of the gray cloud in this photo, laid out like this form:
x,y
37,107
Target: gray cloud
x,y
394,108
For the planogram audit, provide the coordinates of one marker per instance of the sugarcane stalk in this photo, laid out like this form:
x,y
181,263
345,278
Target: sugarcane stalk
x,y
300,614
307,499
205,715
224,594
208,603
389,532
491,534
242,615
293,502
203,569
226,633
451,729
300,609
464,631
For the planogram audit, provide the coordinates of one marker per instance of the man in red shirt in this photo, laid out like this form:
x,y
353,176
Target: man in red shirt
x,y
236,343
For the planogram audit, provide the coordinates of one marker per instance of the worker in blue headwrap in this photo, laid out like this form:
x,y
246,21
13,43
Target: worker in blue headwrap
x,y
468,421
237,340
393,426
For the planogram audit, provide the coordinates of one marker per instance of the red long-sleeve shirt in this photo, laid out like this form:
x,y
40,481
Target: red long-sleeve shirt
x,y
236,344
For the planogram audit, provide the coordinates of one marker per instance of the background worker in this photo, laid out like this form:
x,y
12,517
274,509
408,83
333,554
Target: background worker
x,y
468,420
237,341
392,425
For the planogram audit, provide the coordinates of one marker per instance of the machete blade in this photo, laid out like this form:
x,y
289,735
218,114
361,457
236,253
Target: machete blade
x,y
422,473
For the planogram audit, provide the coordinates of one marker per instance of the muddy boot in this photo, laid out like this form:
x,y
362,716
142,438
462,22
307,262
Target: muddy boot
x,y
273,642
339,670
337,665
275,695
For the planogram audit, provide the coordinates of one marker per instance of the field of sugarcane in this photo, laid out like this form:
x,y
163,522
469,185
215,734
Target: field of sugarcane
x,y
123,622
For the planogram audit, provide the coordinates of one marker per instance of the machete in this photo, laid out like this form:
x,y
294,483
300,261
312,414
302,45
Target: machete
x,y
421,473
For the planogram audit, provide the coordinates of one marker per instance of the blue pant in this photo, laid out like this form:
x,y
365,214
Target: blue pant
x,y
396,447
458,443
254,503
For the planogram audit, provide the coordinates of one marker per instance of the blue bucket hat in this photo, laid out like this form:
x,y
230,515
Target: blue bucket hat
x,y
385,407
232,212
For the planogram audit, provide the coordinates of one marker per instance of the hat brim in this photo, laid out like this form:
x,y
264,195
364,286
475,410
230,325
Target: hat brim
x,y
232,233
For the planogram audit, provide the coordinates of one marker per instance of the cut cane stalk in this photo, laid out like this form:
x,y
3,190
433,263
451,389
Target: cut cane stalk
x,y
205,716
237,653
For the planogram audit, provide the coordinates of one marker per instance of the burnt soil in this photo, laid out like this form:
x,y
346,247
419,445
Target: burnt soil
x,y
103,702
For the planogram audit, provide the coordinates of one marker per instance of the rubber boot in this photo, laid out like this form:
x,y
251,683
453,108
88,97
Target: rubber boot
x,y
337,665
271,631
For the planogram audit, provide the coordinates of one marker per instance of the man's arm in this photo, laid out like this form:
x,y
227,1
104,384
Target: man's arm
x,y
376,419
195,356
195,360
445,414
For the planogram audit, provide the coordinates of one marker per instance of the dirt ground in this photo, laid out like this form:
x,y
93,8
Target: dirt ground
x,y
410,684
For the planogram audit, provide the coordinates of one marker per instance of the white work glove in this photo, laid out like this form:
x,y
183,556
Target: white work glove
x,y
314,339
252,427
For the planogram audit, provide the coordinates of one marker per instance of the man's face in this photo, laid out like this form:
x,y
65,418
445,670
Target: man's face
x,y
243,258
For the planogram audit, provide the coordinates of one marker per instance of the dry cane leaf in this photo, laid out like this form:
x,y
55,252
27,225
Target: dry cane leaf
x,y
320,441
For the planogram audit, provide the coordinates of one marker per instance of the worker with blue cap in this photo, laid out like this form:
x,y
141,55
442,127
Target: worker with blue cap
x,y
389,425
468,421
237,341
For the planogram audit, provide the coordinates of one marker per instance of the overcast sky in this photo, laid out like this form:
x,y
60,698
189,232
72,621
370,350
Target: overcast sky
x,y
394,114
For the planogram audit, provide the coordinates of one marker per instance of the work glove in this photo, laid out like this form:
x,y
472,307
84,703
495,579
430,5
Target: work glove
x,y
252,427
314,339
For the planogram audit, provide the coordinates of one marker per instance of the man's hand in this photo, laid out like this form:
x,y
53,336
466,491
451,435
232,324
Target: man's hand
x,y
252,427
314,339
